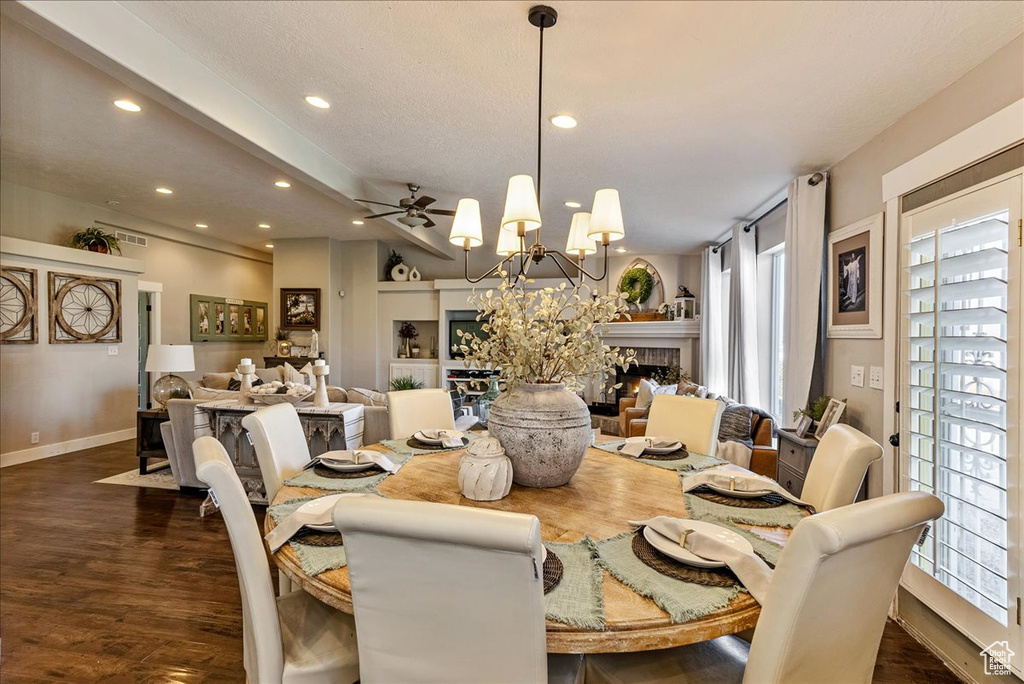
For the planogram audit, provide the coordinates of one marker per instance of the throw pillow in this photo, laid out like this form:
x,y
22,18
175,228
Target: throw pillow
x,y
208,394
735,425
292,375
366,397
217,380
270,374
645,394
236,385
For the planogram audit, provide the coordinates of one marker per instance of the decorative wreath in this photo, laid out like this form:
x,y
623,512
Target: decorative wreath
x,y
636,284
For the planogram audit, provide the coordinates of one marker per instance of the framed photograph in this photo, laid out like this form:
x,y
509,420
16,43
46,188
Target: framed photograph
x,y
233,328
831,416
300,308
218,319
261,322
247,321
802,426
855,279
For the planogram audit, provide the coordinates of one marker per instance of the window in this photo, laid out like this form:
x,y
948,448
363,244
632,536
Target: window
x,y
776,396
960,403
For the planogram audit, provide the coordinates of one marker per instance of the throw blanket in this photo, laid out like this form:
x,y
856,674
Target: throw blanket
x,y
735,453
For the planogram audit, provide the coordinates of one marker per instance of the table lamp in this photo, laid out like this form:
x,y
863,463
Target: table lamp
x,y
170,358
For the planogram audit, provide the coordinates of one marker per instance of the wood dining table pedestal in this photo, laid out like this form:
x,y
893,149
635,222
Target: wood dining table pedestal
x,y
607,491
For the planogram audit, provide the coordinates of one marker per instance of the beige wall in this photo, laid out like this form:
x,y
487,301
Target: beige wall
x,y
855,192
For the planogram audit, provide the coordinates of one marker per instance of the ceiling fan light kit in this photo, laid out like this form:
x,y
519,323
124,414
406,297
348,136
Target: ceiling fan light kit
x,y
522,210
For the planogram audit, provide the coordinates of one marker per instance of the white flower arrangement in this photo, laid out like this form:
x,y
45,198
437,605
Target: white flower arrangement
x,y
549,335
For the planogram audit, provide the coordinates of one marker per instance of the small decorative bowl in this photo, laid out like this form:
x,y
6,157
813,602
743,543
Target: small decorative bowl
x,y
271,399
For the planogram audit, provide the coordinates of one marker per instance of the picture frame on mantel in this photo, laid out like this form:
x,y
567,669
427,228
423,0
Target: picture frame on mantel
x,y
300,308
855,268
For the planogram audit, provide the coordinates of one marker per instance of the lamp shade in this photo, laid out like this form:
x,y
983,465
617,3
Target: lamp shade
x,y
606,216
170,358
579,244
508,242
521,205
466,228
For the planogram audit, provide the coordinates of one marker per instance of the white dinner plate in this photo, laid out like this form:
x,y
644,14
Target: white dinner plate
x,y
434,440
672,549
737,494
658,451
343,466
323,505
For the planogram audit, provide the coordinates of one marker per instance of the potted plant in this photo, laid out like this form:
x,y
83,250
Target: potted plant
x,y
545,344
407,332
815,410
95,240
406,382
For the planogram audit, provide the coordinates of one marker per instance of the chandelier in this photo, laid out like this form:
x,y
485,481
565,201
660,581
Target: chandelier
x,y
602,225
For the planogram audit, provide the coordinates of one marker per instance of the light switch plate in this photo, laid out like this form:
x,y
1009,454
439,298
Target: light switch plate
x,y
112,350
876,377
857,376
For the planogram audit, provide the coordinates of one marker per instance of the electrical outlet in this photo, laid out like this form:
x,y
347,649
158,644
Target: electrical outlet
x,y
34,438
876,377
857,376
113,350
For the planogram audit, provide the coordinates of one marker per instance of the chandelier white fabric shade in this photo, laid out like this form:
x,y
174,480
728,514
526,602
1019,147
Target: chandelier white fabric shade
x,y
521,205
170,358
467,226
579,244
508,243
606,216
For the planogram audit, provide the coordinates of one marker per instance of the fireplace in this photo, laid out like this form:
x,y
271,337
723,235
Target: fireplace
x,y
649,360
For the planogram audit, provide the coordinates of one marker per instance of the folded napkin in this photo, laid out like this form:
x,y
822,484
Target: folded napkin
x,y
356,456
753,572
738,480
635,446
287,528
449,438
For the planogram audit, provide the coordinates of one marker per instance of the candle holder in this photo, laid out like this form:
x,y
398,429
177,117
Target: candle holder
x,y
246,370
320,395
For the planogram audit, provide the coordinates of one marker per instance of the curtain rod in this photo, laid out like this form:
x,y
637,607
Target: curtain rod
x,y
812,181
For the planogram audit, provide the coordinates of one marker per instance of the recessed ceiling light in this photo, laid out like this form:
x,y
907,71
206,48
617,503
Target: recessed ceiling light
x,y
165,191
573,205
264,225
202,225
127,105
357,223
283,184
269,246
621,250
563,121
318,102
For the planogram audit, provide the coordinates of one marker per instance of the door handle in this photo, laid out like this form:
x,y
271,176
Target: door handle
x,y
894,440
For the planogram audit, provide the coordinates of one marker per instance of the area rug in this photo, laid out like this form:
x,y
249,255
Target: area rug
x,y
155,479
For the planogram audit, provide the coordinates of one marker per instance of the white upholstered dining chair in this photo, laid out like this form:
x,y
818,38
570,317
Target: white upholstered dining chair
x,y
447,595
826,608
290,639
279,442
838,467
412,410
692,421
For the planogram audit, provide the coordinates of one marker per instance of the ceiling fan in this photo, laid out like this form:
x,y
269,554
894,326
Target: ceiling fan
x,y
415,209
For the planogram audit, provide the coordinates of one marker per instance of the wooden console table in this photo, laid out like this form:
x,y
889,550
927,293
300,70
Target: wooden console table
x,y
296,361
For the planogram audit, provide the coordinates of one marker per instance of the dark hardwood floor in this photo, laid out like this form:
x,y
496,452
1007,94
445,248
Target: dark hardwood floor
x,y
123,584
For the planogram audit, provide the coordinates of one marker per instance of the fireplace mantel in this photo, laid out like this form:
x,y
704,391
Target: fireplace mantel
x,y
654,329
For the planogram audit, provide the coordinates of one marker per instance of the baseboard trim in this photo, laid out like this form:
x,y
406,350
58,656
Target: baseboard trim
x,y
927,643
49,450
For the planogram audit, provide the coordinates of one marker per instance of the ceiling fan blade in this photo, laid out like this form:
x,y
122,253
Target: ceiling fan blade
x,y
387,213
441,212
429,223
383,204
422,202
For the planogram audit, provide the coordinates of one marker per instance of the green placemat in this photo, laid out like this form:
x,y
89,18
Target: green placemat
x,y
787,515
578,599
691,463
683,601
309,478
313,559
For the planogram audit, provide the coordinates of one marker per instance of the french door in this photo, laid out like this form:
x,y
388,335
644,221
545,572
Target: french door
x,y
960,404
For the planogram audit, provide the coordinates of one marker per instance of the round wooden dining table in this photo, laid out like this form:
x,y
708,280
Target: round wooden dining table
x,y
607,491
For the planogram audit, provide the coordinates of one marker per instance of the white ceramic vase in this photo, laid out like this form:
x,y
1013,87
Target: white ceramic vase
x,y
545,431
485,473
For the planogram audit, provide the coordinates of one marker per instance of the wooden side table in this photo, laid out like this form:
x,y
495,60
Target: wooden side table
x,y
795,454
296,361
148,441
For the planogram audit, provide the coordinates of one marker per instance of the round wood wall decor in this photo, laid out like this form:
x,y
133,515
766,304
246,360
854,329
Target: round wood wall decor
x,y
84,309
18,305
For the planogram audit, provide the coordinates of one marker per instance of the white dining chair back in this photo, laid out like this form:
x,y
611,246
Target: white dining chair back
x,y
838,467
830,594
412,410
691,420
445,594
279,442
293,639
261,638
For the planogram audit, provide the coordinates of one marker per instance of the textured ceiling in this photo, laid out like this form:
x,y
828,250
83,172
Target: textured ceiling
x,y
698,112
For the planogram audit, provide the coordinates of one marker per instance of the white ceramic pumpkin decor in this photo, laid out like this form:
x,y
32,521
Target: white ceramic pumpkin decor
x,y
485,473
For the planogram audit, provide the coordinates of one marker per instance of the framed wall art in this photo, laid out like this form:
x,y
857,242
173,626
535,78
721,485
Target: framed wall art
x,y
855,279
300,308
220,319
83,309
19,304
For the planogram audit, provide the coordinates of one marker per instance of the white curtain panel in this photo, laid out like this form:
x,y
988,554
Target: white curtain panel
x,y
712,334
743,357
805,238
